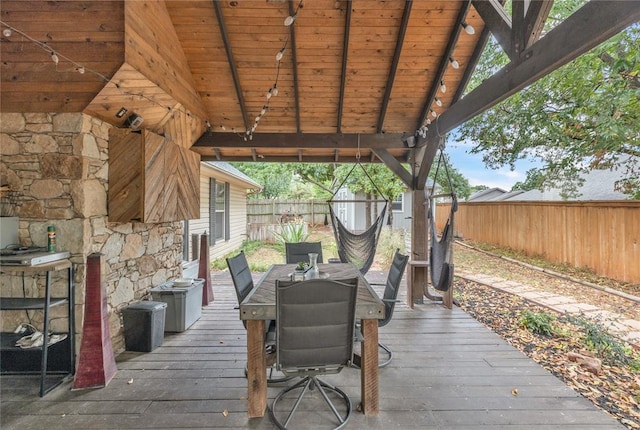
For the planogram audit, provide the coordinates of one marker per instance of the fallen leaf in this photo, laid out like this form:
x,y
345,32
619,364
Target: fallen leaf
x,y
514,392
225,413
130,381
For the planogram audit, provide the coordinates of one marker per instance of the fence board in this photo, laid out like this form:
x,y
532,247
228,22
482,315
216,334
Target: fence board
x,y
601,235
270,211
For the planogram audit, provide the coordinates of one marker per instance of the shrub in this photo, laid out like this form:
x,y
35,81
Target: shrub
x,y
390,240
291,232
538,322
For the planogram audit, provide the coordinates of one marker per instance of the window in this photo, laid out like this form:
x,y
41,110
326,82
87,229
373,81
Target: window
x,y
397,205
218,211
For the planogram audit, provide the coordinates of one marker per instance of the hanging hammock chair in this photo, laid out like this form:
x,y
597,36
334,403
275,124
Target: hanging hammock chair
x,y
441,250
357,248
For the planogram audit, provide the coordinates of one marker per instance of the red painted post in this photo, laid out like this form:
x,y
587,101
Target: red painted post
x,y
96,362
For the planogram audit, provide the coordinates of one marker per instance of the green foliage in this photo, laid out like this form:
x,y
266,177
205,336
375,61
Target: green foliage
x,y
390,240
291,232
276,178
606,345
582,117
538,322
459,184
248,246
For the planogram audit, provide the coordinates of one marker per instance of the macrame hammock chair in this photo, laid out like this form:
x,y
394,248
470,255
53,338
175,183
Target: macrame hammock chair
x,y
441,250
357,248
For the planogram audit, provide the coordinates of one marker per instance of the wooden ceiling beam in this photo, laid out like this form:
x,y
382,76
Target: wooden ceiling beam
x,y
589,26
444,62
394,64
264,158
232,63
302,141
395,166
343,75
499,23
536,15
294,60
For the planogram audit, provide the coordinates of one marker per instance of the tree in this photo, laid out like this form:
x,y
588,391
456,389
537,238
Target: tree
x,y
583,116
275,178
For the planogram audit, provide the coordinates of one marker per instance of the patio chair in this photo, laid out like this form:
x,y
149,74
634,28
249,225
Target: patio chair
x,y
243,283
314,336
389,298
299,251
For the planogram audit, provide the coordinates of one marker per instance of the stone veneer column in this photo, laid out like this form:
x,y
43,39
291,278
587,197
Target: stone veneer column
x,y
57,167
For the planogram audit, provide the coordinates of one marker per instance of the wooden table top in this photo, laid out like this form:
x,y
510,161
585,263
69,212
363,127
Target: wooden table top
x,y
260,304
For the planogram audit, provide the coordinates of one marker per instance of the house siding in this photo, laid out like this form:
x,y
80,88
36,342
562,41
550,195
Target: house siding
x,y
237,211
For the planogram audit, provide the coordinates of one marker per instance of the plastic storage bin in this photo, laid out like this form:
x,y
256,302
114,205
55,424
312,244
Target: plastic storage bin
x,y
184,304
144,325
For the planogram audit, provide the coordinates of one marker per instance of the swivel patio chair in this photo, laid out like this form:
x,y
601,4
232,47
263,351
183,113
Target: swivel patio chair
x,y
390,298
299,251
243,283
314,337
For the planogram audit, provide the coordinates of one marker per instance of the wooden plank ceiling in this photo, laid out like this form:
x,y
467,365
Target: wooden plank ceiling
x,y
354,76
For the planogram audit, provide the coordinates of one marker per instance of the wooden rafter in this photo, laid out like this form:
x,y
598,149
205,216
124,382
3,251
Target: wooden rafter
x,y
308,141
343,75
499,23
535,17
444,63
232,63
394,64
294,60
597,22
471,66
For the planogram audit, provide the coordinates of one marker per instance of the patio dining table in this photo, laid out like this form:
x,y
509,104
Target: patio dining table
x,y
260,306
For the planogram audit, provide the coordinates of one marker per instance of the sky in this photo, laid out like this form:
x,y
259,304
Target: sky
x,y
472,167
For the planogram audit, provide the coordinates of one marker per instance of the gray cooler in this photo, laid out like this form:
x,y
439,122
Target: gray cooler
x,y
184,304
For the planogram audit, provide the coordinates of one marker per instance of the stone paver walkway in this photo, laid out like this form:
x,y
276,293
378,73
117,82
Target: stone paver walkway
x,y
625,328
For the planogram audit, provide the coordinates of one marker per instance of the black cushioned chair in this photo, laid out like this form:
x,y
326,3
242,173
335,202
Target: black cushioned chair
x,y
243,283
314,336
299,251
389,298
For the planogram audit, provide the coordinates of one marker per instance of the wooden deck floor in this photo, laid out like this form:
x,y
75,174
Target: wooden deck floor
x,y
448,372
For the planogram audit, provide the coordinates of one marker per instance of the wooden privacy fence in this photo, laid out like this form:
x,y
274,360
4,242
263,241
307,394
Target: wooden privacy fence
x,y
600,235
264,215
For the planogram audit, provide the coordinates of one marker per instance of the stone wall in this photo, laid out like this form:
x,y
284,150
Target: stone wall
x,y
56,168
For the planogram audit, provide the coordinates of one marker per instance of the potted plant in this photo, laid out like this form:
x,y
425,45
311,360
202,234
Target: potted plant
x,y
298,272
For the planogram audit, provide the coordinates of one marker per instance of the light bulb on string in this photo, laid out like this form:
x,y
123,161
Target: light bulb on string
x,y
438,101
269,93
264,109
427,121
280,54
54,58
433,113
80,70
443,87
290,19
454,63
468,28
274,90
7,32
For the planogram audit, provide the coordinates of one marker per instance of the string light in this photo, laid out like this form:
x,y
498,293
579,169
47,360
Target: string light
x,y
468,28
443,87
290,19
280,54
57,57
433,113
454,63
438,101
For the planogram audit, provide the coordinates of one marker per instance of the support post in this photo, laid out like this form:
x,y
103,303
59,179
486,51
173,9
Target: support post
x,y
418,272
204,271
96,364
